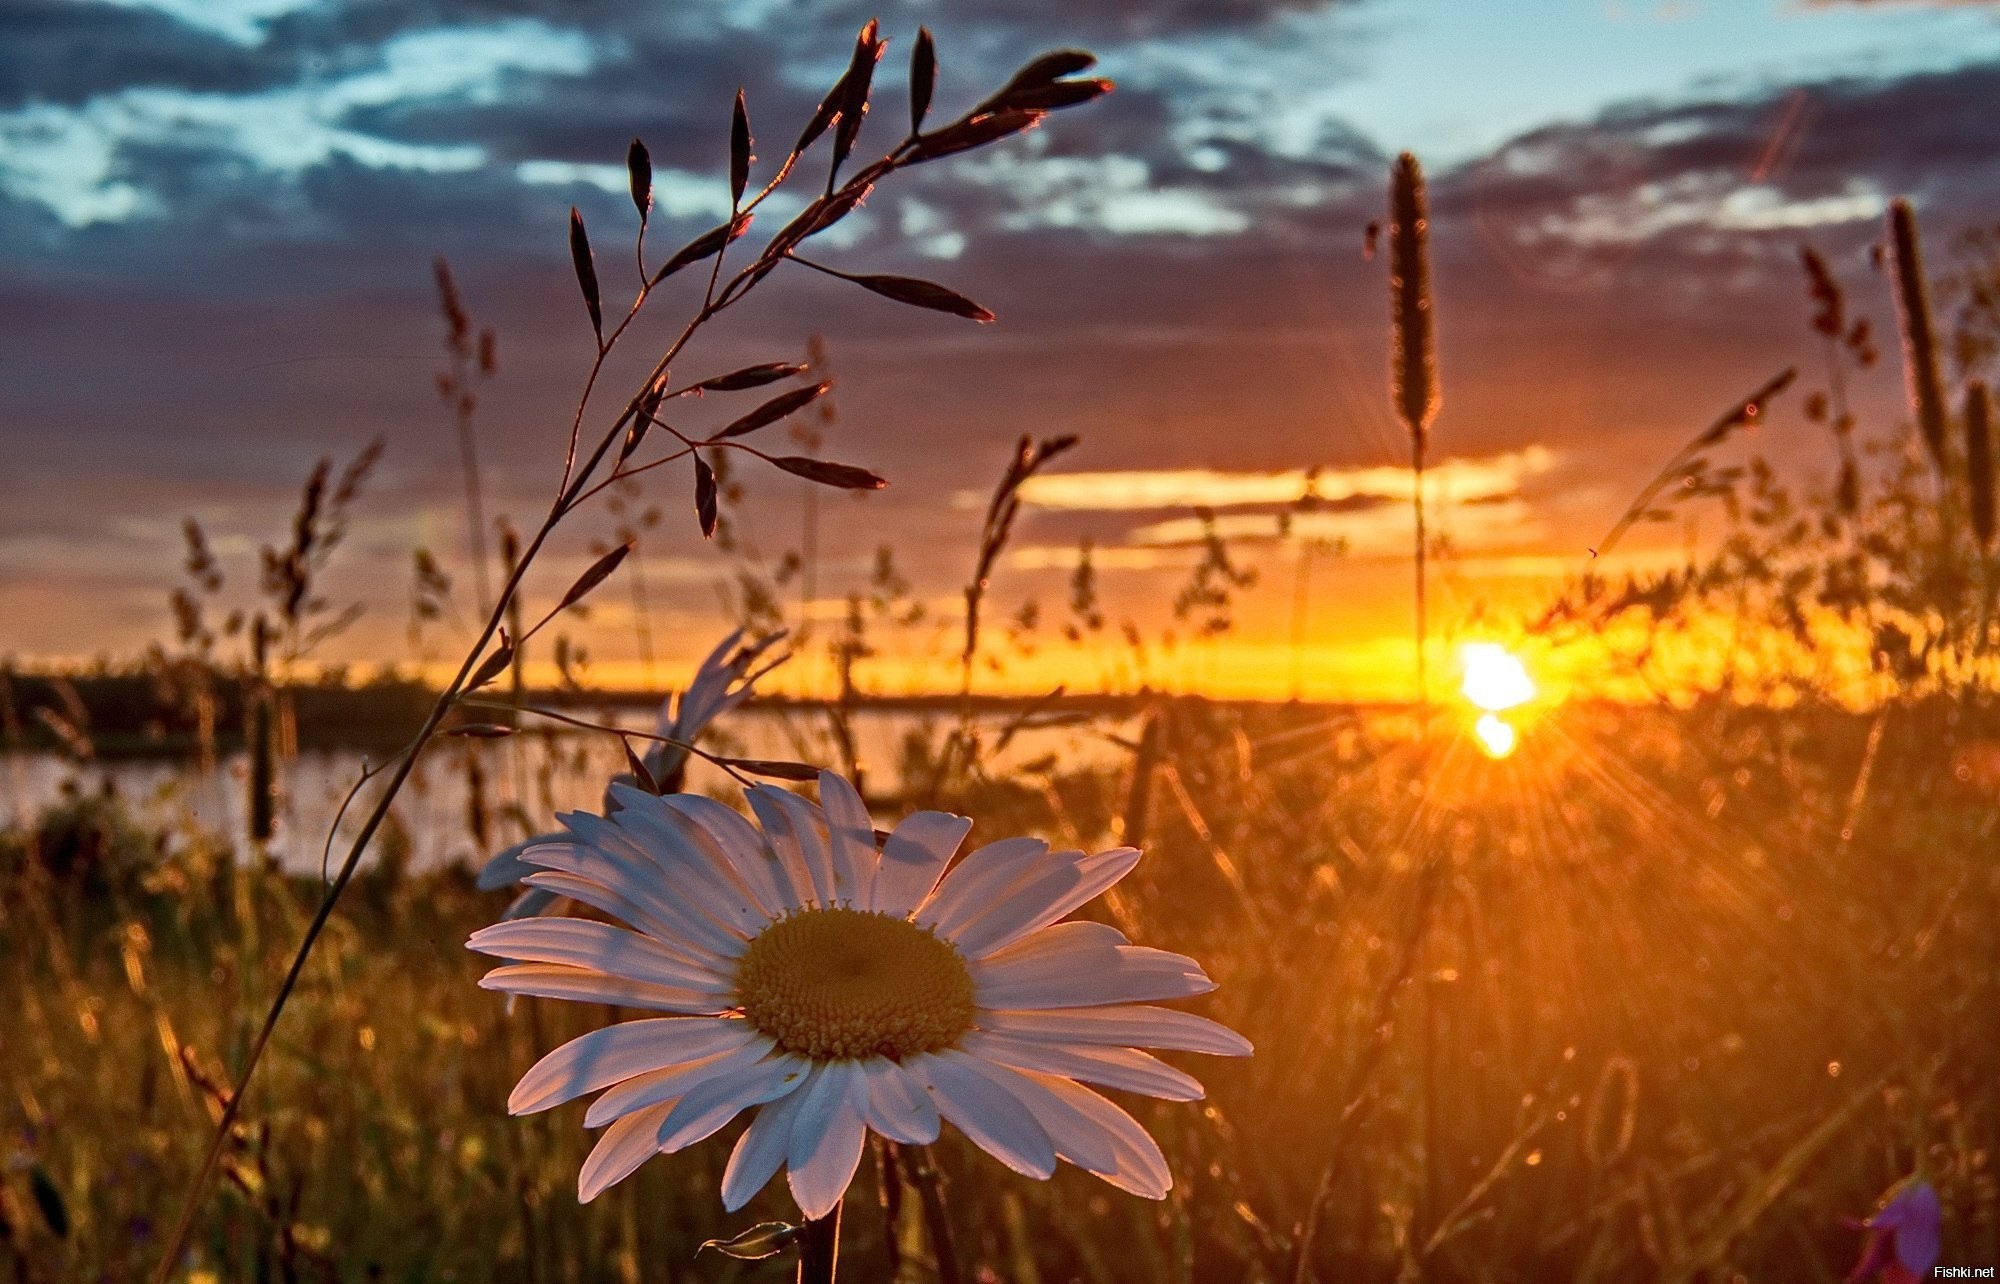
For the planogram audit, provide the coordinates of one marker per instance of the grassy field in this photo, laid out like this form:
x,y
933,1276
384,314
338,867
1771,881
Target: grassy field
x,y
1662,996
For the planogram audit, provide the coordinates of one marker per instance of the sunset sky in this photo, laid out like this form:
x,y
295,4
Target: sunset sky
x,y
217,220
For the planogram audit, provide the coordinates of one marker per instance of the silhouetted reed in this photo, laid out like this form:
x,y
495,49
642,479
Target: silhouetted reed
x,y
1413,357
1924,385
1979,461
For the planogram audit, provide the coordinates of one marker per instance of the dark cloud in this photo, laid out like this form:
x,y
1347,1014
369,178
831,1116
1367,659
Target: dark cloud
x,y
62,52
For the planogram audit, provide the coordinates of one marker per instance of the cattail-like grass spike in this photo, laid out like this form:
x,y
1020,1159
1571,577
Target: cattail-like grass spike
x,y
1414,368
1913,310
1413,354
1979,460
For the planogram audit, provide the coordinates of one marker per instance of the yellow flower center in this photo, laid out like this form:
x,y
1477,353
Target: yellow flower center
x,y
836,984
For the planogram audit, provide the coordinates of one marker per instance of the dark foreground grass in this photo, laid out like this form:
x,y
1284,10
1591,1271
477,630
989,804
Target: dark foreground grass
x,y
1662,997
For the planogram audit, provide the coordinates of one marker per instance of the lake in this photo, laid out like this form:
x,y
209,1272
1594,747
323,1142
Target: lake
x,y
527,778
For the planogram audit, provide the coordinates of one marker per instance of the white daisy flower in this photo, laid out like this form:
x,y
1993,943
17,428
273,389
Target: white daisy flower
x,y
838,985
721,682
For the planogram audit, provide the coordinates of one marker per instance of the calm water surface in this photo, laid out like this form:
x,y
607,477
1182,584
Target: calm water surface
x,y
527,779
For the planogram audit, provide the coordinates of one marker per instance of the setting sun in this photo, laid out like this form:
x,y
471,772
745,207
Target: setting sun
x,y
1495,679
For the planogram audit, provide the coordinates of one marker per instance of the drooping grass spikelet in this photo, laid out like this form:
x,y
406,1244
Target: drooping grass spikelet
x,y
1413,363
1913,311
1979,460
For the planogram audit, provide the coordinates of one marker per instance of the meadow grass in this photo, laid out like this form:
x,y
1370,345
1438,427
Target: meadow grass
x,y
1697,995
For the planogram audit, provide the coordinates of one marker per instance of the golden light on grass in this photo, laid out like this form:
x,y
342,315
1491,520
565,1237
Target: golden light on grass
x,y
1494,680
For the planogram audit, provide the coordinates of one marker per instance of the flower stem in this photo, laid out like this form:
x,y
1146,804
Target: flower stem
x,y
930,1192
819,1248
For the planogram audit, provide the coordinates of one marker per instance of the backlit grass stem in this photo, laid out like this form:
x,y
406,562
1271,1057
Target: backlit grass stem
x,y
1913,314
1413,355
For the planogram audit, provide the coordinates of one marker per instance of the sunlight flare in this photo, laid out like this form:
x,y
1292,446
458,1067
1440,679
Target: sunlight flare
x,y
1494,679
1496,736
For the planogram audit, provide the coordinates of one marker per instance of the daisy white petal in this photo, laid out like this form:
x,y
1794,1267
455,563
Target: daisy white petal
x,y
585,985
508,867
850,841
798,836
1140,1167
707,1107
1126,974
688,872
618,1153
1076,1137
914,858
582,942
977,881
897,1105
760,1151
668,1085
978,1106
738,842
532,903
1044,900
723,680
607,858
1124,1026
827,1136
696,871
585,891
605,1056
1126,1068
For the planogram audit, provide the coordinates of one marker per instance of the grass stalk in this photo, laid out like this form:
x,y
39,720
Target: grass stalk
x,y
1413,359
819,1249
1913,313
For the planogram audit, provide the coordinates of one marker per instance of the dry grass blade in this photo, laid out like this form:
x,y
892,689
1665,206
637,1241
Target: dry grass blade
x,y
1770,1185
1029,458
1743,414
